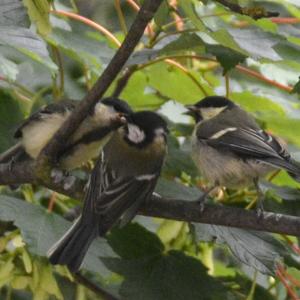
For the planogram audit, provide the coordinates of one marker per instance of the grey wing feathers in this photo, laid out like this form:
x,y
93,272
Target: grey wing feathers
x,y
252,144
59,107
111,198
123,199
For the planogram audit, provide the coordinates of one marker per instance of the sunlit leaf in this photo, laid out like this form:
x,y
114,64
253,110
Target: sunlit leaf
x,y
38,11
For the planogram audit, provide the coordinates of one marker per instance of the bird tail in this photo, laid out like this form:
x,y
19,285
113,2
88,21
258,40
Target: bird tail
x,y
291,166
70,250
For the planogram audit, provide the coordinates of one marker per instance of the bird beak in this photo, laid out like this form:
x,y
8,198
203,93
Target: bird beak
x,y
120,119
191,110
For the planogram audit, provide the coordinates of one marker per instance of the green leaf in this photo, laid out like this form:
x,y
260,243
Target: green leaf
x,y
257,249
13,13
8,68
46,229
257,43
27,42
154,274
189,9
82,48
185,42
161,15
134,241
284,127
175,190
296,88
138,95
243,287
257,104
227,57
11,114
38,11
175,84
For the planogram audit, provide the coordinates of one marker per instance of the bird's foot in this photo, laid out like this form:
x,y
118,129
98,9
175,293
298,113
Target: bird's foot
x,y
259,209
11,164
201,202
69,182
57,175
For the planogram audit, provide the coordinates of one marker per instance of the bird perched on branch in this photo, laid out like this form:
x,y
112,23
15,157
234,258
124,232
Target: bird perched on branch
x,y
123,178
84,144
231,150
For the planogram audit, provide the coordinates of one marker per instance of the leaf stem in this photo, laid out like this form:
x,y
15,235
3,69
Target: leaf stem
x,y
93,287
88,22
283,280
187,73
120,16
59,62
240,68
279,20
227,86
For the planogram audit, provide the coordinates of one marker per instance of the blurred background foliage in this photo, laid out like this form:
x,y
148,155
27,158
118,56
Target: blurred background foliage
x,y
191,49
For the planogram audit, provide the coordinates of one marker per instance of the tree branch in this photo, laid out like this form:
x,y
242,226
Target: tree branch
x,y
190,211
174,209
136,31
253,12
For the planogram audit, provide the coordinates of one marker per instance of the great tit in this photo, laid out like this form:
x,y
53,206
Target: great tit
x,y
123,178
231,150
84,144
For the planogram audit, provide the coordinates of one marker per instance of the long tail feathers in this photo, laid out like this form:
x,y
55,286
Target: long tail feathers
x,y
70,250
291,166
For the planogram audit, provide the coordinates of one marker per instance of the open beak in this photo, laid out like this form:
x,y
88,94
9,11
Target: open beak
x,y
191,110
120,119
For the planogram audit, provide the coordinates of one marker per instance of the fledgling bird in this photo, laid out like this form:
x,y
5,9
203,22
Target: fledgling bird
x,y
84,144
231,150
123,178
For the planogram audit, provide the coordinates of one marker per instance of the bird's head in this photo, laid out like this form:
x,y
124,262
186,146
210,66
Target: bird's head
x,y
112,111
144,128
208,108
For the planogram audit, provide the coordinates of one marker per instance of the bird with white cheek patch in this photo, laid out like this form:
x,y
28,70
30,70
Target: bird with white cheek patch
x,y
231,150
122,180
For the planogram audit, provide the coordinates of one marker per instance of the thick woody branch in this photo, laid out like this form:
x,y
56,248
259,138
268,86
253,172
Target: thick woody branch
x,y
182,210
170,208
136,31
253,12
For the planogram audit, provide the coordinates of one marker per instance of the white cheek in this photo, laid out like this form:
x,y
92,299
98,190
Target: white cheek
x,y
104,113
135,134
208,113
159,132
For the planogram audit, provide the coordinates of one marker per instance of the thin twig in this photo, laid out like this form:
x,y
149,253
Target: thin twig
x,y
226,76
89,22
93,287
59,62
120,16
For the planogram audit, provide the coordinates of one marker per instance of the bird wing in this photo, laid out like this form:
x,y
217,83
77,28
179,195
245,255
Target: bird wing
x,y
113,197
247,142
44,112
